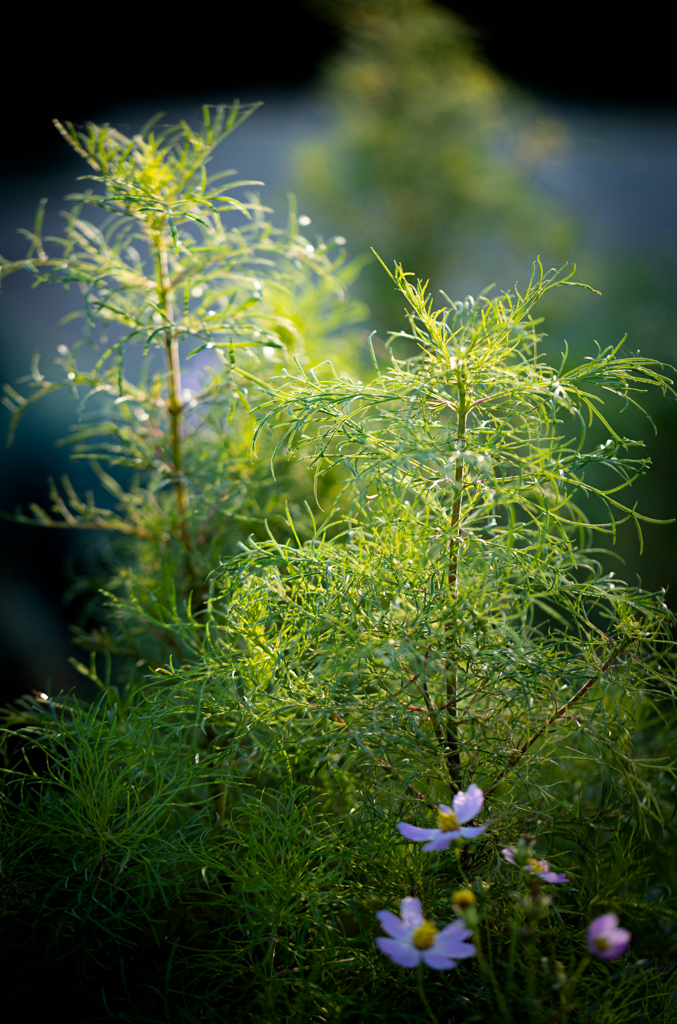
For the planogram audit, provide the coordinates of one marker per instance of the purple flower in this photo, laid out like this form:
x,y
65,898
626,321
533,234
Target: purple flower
x,y
413,939
450,821
539,868
605,939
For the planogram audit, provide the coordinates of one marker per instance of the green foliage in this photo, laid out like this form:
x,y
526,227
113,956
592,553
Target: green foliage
x,y
174,267
468,569
428,156
215,841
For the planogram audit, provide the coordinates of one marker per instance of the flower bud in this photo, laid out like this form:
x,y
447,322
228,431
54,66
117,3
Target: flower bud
x,y
555,968
463,898
464,904
535,905
524,851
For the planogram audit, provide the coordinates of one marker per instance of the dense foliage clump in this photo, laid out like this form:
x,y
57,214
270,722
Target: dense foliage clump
x,y
178,277
300,660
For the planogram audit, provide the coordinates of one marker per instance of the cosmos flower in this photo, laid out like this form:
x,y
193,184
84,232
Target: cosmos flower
x,y
605,939
539,868
451,822
414,940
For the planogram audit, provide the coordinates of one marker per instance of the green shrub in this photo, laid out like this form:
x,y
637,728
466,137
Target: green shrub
x,y
175,267
213,839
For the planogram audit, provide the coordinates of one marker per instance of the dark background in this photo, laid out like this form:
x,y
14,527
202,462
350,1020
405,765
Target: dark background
x,y
67,62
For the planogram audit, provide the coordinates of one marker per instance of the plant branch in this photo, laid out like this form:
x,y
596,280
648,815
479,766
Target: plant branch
x,y
453,748
175,401
390,770
559,713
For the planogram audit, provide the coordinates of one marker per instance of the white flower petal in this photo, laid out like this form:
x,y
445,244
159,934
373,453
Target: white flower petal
x,y
456,931
603,924
553,877
442,841
451,941
438,961
467,805
411,912
415,833
402,953
472,831
392,925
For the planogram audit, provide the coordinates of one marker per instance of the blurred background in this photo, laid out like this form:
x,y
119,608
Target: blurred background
x,y
460,138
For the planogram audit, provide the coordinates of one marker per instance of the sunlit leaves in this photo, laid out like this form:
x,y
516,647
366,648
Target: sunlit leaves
x,y
174,262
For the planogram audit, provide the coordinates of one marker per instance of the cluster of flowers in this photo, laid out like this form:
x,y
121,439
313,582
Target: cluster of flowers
x,y
413,940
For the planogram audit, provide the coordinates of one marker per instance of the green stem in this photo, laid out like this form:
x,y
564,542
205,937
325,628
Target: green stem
x,y
487,967
531,973
458,851
453,748
513,949
424,1000
488,970
175,400
221,803
568,992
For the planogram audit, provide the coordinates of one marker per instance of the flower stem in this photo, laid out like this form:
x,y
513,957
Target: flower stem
x,y
487,968
529,951
568,991
421,992
458,851
513,949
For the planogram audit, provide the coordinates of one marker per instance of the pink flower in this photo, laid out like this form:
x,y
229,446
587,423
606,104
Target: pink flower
x,y
605,939
414,940
539,868
450,822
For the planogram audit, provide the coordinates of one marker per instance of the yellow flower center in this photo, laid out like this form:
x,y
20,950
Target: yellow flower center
x,y
425,935
602,943
463,898
447,822
539,866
